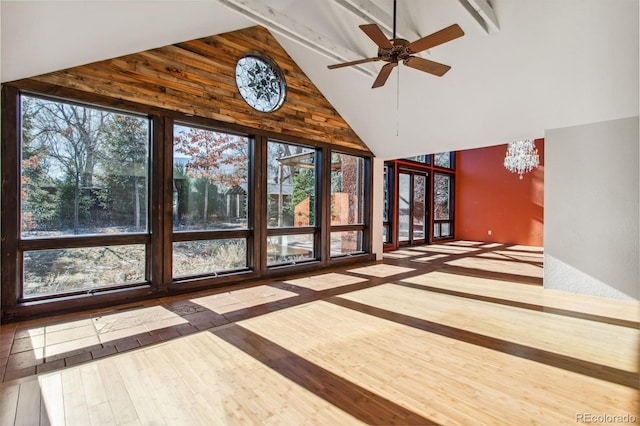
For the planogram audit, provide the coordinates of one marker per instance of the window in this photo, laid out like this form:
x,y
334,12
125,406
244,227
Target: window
x,y
290,249
84,172
202,257
346,243
59,271
347,204
291,186
387,204
425,159
347,192
442,206
103,205
444,160
291,203
210,184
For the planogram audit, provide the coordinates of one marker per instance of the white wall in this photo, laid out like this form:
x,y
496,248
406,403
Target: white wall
x,y
378,203
592,209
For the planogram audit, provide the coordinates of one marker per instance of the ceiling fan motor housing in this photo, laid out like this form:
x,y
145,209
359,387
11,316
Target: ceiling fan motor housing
x,y
398,52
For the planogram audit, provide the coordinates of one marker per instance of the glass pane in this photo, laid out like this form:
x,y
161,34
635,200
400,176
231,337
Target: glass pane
x,y
68,270
442,159
291,185
210,180
209,256
347,189
420,159
346,242
441,197
404,212
83,170
419,206
446,229
289,248
436,230
386,195
385,234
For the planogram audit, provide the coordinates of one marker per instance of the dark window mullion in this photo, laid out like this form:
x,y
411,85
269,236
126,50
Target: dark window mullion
x,y
260,200
209,235
292,230
83,241
343,228
325,206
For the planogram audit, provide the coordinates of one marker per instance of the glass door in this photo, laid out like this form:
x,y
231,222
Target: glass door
x,y
404,207
413,207
420,209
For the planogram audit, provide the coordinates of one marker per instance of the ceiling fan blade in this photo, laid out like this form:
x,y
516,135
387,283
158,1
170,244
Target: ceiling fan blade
x,y
444,35
375,33
383,75
426,65
348,64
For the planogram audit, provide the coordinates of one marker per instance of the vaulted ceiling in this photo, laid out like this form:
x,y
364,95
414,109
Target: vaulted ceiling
x,y
534,65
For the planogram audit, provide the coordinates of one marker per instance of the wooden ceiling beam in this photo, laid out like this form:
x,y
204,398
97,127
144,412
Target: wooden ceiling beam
x,y
371,13
277,22
483,13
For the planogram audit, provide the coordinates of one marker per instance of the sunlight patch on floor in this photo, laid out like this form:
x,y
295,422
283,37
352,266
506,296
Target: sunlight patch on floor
x,y
381,270
223,303
499,266
428,259
325,281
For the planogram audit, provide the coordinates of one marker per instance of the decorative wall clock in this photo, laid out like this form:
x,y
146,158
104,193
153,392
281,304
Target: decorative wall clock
x,y
260,82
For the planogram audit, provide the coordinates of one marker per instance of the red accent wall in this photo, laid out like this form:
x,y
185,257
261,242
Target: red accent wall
x,y
490,198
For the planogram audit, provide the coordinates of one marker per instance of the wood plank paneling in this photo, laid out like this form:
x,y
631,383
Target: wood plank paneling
x,y
197,77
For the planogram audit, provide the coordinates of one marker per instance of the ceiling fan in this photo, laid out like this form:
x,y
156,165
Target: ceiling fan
x,y
397,49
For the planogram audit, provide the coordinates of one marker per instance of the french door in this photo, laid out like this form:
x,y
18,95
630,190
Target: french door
x,y
413,207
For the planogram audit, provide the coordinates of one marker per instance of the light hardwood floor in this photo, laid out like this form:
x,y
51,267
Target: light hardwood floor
x,y
458,333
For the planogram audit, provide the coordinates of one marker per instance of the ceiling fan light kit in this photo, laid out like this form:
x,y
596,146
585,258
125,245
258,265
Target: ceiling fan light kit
x,y
395,50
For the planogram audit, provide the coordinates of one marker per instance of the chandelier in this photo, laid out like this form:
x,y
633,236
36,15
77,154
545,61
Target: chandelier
x,y
522,157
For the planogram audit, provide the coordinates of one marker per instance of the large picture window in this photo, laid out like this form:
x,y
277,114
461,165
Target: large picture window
x,y
84,172
106,201
347,204
210,187
291,203
347,189
291,185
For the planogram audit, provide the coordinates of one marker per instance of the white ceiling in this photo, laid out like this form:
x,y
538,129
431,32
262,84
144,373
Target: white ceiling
x,y
552,64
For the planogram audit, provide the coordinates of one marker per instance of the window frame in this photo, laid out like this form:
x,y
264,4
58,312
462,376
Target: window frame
x,y
158,238
295,230
451,220
408,165
213,234
365,226
69,241
389,204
